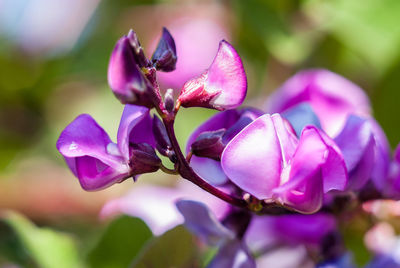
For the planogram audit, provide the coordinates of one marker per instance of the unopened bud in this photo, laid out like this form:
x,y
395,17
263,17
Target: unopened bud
x,y
209,144
138,52
169,100
160,134
164,58
143,159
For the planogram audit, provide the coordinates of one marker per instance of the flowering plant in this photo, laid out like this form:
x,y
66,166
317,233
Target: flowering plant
x,y
279,176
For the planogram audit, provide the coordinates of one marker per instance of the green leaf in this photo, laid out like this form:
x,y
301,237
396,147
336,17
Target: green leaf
x,y
369,28
175,248
39,247
123,238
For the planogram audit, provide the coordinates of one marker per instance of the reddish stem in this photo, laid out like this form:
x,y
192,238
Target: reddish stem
x,y
187,172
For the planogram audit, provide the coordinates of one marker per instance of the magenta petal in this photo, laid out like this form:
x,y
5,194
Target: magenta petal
x,y
357,144
95,175
90,154
124,77
253,159
397,153
331,96
223,86
311,168
164,57
135,127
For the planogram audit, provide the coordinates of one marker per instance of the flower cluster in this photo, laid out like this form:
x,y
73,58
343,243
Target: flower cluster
x,y
313,145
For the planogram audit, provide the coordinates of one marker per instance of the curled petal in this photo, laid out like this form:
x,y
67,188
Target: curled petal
x,y
135,127
253,158
316,168
331,96
202,222
90,154
233,255
223,86
124,76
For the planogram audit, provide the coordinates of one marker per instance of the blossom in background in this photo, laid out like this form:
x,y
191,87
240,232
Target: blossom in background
x,y
97,161
267,160
341,109
156,204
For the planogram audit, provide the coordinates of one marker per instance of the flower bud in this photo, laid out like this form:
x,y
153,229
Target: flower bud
x,y
143,159
169,102
138,52
223,86
160,134
209,144
125,77
164,58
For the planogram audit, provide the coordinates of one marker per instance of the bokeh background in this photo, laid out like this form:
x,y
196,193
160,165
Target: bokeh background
x,y
53,67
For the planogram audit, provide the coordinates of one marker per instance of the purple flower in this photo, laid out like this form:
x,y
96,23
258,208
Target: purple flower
x,y
97,161
231,122
223,86
268,161
343,111
331,96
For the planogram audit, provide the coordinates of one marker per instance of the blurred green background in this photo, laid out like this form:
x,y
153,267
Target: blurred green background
x,y
53,66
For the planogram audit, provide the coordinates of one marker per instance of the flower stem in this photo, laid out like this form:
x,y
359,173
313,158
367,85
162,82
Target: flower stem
x,y
187,172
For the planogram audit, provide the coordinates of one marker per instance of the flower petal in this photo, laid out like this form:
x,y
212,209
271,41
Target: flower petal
x,y
124,76
382,156
233,255
203,223
253,158
135,127
223,86
357,144
331,96
90,154
314,170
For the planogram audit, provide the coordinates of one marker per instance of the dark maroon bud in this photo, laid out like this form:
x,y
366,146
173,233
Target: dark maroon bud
x,y
164,58
143,159
169,102
162,140
209,144
138,51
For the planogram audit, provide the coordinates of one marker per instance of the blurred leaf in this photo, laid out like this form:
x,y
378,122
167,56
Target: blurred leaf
x,y
41,247
370,28
120,243
175,248
353,235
